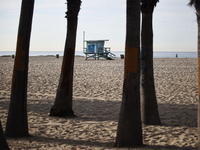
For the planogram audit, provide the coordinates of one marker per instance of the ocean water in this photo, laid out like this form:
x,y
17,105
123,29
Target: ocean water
x,y
156,54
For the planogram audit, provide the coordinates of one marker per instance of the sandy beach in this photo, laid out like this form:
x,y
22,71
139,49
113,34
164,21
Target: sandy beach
x,y
97,95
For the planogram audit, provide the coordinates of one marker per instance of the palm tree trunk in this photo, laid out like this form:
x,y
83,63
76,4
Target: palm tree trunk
x,y
129,131
63,101
17,124
3,143
149,105
198,22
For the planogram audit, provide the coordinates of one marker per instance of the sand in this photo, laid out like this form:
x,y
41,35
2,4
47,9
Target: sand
x,y
97,95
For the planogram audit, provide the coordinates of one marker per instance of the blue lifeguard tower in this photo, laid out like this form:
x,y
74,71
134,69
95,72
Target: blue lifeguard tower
x,y
96,49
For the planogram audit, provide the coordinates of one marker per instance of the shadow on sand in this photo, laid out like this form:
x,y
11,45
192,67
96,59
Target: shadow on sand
x,y
170,114
107,145
99,110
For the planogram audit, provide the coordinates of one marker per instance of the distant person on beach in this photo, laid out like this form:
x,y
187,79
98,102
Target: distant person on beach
x,y
176,55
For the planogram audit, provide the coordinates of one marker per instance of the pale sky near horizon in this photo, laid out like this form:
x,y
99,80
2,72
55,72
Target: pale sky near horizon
x,y
174,25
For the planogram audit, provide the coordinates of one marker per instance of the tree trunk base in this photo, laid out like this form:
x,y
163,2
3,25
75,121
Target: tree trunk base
x,y
61,113
3,142
152,122
16,135
128,145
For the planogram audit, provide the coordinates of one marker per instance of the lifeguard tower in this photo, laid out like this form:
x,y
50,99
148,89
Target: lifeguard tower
x,y
96,49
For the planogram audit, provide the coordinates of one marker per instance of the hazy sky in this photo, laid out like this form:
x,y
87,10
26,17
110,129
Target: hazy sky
x,y
174,25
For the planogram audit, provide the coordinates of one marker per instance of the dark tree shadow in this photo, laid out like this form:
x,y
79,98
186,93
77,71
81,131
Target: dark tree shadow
x,y
107,144
99,110
178,115
88,110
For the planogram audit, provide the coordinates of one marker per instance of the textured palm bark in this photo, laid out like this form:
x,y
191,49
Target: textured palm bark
x,y
17,124
196,4
129,131
3,143
149,107
198,22
63,102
